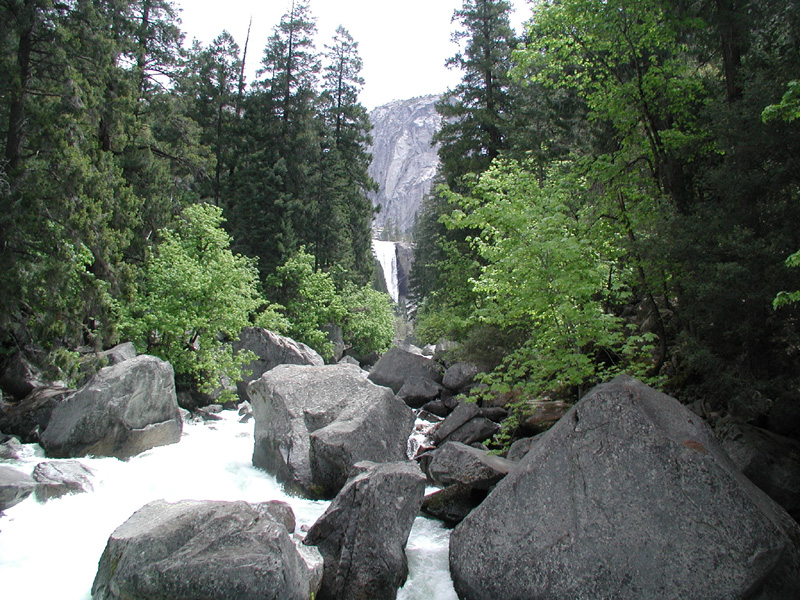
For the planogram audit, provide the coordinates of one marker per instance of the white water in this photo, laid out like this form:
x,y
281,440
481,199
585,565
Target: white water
x,y
386,253
51,550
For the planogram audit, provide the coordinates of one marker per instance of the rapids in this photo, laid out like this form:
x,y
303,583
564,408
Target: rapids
x,y
51,550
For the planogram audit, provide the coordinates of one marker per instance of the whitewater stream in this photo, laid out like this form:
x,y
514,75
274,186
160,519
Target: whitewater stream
x,y
51,550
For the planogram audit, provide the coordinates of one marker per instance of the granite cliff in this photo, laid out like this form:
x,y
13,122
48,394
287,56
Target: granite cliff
x,y
404,161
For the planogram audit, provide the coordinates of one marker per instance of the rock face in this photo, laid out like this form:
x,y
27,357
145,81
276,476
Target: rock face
x,y
210,550
314,423
455,462
271,350
398,366
363,533
123,410
404,162
627,496
14,487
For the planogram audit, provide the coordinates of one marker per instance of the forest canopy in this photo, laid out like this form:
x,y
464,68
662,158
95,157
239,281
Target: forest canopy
x,y
149,192
620,191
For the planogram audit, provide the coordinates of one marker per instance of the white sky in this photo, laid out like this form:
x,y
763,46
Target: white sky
x,y
404,44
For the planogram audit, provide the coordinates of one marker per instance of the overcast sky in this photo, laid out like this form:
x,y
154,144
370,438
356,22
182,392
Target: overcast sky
x,y
403,43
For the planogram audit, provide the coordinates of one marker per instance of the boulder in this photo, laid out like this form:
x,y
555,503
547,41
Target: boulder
x,y
417,391
769,460
437,408
460,376
453,503
271,350
544,414
398,366
314,423
119,353
520,448
57,478
19,377
628,496
10,447
455,462
15,486
29,417
464,412
363,533
203,549
123,410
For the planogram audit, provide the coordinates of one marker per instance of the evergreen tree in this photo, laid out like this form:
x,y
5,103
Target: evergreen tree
x,y
475,112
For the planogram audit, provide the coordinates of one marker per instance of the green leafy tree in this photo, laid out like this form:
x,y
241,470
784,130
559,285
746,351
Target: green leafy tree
x,y
195,296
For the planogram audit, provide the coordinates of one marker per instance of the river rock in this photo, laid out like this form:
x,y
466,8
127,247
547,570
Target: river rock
x,y
15,486
10,447
628,496
29,417
363,533
271,350
455,462
123,410
453,503
203,549
398,366
544,414
463,413
57,478
417,391
769,460
460,376
314,423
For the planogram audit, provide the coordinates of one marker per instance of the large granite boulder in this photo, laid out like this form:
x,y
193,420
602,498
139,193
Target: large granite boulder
x,y
19,377
123,410
314,423
398,366
202,549
270,350
460,376
363,533
769,460
455,462
15,486
628,496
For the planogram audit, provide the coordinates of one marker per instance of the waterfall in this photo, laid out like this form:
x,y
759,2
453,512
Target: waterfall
x,y
51,550
386,253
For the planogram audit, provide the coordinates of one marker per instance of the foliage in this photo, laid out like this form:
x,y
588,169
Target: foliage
x,y
194,297
368,325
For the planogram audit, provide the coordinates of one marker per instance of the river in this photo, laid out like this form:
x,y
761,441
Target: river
x,y
51,550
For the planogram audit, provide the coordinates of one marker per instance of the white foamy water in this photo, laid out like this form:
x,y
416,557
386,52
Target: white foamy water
x,y
386,253
51,550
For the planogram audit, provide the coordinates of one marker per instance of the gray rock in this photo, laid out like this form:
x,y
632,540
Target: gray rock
x,y
398,366
437,408
314,423
57,478
123,410
455,462
10,447
474,431
544,414
628,496
363,533
209,550
119,353
520,448
271,350
15,486
417,391
453,503
769,460
460,376
349,360
29,417
463,413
